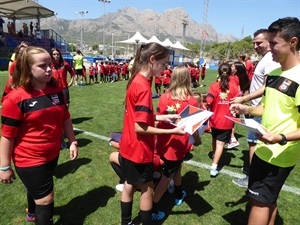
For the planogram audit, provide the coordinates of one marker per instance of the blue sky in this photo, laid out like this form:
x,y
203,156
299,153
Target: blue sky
x,y
226,16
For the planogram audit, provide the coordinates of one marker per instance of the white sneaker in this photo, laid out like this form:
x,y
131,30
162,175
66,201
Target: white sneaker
x,y
120,187
231,145
213,172
171,186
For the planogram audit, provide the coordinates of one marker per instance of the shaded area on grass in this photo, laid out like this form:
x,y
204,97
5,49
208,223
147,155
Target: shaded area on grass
x,y
70,167
82,206
81,119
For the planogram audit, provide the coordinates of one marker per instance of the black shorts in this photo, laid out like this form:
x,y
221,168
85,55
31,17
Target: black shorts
x,y
170,168
221,135
157,85
79,72
67,95
266,180
38,180
135,173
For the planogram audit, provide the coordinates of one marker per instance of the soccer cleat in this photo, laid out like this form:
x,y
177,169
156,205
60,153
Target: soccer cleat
x,y
214,172
241,182
30,217
157,215
180,201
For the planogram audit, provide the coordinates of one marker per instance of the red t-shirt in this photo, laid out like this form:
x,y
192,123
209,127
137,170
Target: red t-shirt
x,y
219,102
249,69
60,72
92,70
34,120
171,146
12,68
138,108
203,70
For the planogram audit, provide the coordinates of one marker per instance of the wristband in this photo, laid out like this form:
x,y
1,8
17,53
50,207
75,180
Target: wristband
x,y
74,143
5,168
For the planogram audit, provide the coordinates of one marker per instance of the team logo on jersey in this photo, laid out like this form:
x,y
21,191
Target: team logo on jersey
x,y
32,104
223,95
55,99
173,108
285,85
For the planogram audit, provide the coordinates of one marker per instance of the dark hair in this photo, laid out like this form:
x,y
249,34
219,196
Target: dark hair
x,y
260,31
61,60
288,27
142,57
224,73
241,72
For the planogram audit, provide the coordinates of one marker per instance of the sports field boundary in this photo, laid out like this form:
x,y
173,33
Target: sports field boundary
x,y
290,189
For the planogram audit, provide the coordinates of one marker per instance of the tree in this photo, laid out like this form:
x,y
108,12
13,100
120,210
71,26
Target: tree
x,y
95,47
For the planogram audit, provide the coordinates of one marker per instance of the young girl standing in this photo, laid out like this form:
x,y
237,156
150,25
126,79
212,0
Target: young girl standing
x,y
171,147
34,115
137,142
218,98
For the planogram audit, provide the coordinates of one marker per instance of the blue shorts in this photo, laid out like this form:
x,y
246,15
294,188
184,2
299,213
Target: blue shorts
x,y
251,136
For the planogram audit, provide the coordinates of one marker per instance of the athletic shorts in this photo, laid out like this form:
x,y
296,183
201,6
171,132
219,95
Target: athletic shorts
x,y
38,180
67,95
136,173
202,77
79,72
170,168
250,135
221,135
266,180
157,85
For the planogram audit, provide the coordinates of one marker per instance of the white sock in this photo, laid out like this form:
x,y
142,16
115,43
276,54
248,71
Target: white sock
x,y
214,166
233,139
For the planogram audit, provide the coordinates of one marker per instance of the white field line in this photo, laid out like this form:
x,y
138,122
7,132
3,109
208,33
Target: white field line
x,y
294,190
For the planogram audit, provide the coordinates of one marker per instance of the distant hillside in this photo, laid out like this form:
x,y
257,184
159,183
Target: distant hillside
x,y
125,22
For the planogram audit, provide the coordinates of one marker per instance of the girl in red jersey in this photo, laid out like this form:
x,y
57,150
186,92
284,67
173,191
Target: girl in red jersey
x,y
60,70
92,71
33,117
218,99
166,78
170,147
137,142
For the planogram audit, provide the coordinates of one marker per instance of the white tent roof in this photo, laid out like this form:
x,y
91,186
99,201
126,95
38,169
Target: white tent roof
x,y
17,9
178,45
167,43
155,39
137,38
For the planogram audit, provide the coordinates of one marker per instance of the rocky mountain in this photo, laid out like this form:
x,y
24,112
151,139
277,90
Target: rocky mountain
x,y
125,22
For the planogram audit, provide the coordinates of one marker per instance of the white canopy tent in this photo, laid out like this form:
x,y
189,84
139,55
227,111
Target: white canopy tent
x,y
156,40
178,45
167,43
137,38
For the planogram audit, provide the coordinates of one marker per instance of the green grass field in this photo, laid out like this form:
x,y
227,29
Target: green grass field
x,y
85,188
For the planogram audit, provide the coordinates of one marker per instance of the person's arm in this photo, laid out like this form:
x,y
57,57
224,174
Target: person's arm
x,y
6,148
72,73
244,109
256,94
68,131
143,128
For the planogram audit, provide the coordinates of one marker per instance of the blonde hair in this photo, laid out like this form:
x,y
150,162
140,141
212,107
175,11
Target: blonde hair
x,y
181,85
22,76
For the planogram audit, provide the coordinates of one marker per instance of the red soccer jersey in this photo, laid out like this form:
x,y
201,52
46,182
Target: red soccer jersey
x,y
203,70
219,102
138,108
249,69
171,146
167,77
60,72
7,88
92,70
34,120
